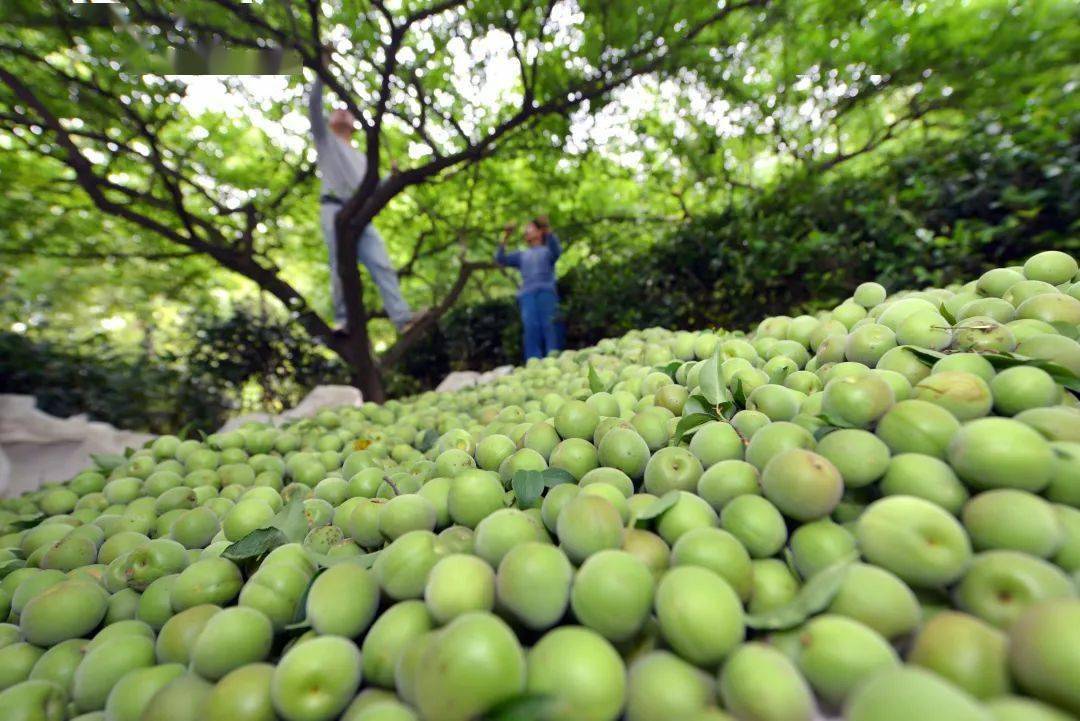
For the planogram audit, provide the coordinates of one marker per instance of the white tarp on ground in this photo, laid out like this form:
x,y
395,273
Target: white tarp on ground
x,y
39,447
36,447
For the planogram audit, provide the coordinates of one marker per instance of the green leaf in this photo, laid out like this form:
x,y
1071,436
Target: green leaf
x,y
1061,453
1060,374
10,566
948,316
738,393
185,429
429,439
824,431
526,707
926,356
833,422
26,520
528,486
129,452
255,545
107,461
557,476
821,588
815,595
657,507
671,368
595,384
688,424
696,404
291,521
711,381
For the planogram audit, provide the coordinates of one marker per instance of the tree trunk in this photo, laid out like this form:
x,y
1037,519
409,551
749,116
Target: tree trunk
x,y
363,370
366,377
355,347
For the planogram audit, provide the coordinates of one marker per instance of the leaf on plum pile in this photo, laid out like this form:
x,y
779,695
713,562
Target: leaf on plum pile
x,y
711,381
815,595
925,356
671,368
429,439
1060,374
291,521
255,545
25,521
528,486
834,423
526,707
824,430
10,566
656,508
696,404
557,476
688,424
595,384
738,393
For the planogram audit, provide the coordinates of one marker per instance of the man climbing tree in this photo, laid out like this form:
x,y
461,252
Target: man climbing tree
x,y
341,170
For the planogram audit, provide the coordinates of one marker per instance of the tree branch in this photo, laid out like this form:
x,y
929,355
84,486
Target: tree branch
x,y
258,270
105,255
394,353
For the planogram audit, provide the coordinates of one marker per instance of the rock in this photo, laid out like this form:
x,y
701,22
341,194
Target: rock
x,y
322,397
458,380
234,423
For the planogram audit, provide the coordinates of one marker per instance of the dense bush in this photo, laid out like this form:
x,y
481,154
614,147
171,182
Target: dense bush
x,y
134,392
243,362
478,336
267,365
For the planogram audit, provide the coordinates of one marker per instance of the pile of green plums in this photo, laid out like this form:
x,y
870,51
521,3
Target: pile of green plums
x,y
871,512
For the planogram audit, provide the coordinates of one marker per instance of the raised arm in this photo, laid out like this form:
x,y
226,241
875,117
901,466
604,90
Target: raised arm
x,y
553,244
315,110
512,259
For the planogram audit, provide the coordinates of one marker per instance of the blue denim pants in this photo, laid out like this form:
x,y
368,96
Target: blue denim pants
x,y
538,311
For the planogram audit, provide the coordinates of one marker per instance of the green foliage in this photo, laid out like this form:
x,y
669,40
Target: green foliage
x,y
475,336
132,392
940,210
243,362
258,358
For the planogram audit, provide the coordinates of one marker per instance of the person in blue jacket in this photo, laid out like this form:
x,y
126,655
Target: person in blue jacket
x,y
537,297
